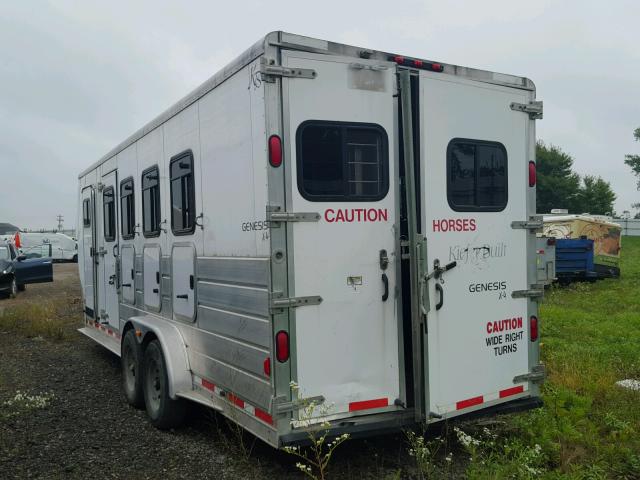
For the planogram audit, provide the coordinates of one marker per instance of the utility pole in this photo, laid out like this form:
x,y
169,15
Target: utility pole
x,y
60,220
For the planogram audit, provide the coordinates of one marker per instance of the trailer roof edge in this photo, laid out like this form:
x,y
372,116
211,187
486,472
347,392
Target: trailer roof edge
x,y
298,42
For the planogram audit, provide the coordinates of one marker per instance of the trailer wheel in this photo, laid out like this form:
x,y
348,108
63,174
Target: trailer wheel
x,y
75,258
132,370
13,289
163,412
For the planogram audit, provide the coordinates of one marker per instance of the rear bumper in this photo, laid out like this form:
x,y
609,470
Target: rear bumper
x,y
393,422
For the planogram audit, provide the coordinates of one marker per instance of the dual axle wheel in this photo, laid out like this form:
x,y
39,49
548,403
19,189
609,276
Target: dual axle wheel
x,y
145,382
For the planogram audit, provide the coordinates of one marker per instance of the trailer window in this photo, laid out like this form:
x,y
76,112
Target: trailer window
x,y
127,209
151,202
86,213
109,209
183,202
340,161
476,175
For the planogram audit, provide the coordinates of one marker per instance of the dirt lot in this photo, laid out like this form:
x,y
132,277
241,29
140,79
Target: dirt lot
x,y
86,429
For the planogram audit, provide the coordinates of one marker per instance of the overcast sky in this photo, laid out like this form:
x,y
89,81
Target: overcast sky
x,y
76,78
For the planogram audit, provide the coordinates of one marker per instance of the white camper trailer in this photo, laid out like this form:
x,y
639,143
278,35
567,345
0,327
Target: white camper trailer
x,y
354,221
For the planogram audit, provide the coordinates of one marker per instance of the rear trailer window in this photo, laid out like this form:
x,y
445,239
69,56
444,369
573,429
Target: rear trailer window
x,y
127,209
476,175
108,204
340,161
183,201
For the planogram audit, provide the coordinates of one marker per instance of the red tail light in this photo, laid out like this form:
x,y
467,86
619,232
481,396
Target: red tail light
x,y
282,346
422,64
275,151
533,328
532,174
16,240
267,366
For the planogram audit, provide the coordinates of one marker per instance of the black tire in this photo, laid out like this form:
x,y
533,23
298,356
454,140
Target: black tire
x,y
131,362
13,288
22,288
75,259
163,412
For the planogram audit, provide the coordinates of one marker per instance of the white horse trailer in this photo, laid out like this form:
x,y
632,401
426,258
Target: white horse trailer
x,y
357,222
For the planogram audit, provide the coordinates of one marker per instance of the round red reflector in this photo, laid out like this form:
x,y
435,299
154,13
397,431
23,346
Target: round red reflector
x,y
282,346
533,328
532,174
275,151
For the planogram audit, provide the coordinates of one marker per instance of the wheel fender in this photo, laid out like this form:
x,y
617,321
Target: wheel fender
x,y
173,349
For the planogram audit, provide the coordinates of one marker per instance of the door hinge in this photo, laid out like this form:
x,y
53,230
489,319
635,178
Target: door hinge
x,y
281,405
534,109
534,223
536,291
536,375
99,186
279,302
275,216
102,252
269,70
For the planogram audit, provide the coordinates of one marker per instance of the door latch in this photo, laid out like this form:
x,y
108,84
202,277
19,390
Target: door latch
x,y
438,270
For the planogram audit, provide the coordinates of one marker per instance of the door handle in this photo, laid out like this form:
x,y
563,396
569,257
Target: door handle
x,y
184,296
385,282
155,290
126,285
440,290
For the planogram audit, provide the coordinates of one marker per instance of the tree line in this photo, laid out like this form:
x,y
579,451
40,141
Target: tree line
x,y
558,186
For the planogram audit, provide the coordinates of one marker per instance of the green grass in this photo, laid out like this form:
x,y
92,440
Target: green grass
x,y
51,319
590,338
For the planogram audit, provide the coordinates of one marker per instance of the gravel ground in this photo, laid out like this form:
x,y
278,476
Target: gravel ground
x,y
87,430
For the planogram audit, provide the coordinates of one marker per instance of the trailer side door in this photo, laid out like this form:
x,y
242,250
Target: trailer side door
x,y
88,251
107,251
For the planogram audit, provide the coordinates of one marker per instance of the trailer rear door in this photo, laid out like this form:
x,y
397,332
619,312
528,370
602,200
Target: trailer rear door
x,y
474,161
339,125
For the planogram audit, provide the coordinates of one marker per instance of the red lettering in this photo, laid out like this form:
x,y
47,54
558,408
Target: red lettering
x,y
373,215
454,225
350,211
326,215
340,216
382,214
489,330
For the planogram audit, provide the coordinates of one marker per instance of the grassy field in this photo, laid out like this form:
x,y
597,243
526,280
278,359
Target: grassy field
x,y
589,426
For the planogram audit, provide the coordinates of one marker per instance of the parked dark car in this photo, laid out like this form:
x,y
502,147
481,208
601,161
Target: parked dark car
x,y
16,270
